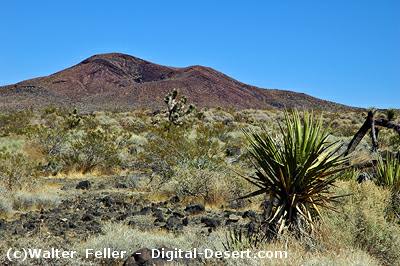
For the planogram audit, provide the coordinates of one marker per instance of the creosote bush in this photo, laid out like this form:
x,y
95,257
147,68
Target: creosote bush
x,y
16,171
208,186
198,147
80,144
15,123
94,149
360,222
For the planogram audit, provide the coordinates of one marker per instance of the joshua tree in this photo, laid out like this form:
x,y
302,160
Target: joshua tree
x,y
72,120
177,108
373,125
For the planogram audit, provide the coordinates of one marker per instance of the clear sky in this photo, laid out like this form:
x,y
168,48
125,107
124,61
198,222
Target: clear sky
x,y
346,51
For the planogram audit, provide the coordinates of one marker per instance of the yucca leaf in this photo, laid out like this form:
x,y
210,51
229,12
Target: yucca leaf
x,y
253,194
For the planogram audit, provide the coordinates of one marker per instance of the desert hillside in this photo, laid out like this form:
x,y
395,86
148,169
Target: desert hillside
x,y
119,81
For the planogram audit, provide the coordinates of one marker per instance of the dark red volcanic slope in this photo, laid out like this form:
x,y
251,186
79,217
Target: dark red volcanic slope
x,y
119,81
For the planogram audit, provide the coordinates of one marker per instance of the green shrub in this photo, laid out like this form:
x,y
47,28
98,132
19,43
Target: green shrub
x,y
393,210
361,223
180,147
5,206
16,171
241,239
349,174
210,186
296,173
95,148
377,239
391,114
15,123
394,142
80,146
133,124
387,171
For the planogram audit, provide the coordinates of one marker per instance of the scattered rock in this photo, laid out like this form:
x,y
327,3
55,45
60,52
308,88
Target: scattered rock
x,y
95,212
237,204
363,177
159,222
130,261
232,151
87,217
144,211
71,225
29,226
173,222
122,217
139,257
249,214
178,214
101,186
174,199
2,224
194,208
210,222
156,211
159,215
233,219
121,185
84,185
251,227
108,201
142,255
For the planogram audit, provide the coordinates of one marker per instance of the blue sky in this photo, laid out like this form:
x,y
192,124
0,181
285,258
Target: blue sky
x,y
344,51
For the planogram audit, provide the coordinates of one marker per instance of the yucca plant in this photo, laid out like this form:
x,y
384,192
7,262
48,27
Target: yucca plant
x,y
390,114
387,171
295,173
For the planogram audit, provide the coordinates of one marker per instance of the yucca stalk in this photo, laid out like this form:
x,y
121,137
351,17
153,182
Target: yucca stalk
x,y
388,172
296,173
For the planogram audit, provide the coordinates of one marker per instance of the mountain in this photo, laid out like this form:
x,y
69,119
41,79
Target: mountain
x,y
119,81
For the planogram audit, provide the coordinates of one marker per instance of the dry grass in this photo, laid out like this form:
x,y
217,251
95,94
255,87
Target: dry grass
x,y
124,238
22,201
